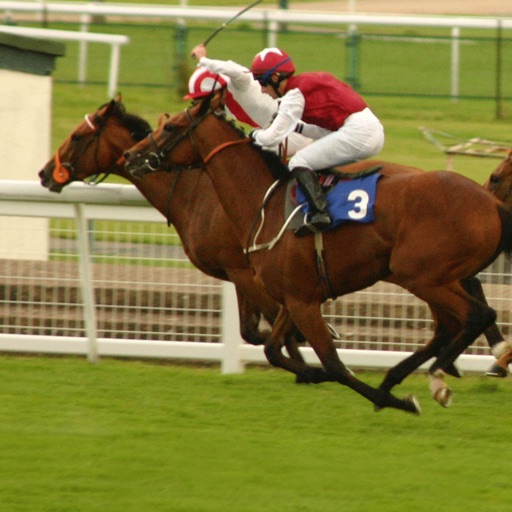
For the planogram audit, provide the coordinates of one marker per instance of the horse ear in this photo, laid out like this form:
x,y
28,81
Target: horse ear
x,y
111,107
162,118
119,98
205,105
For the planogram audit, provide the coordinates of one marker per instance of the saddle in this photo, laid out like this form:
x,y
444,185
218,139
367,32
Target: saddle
x,y
350,197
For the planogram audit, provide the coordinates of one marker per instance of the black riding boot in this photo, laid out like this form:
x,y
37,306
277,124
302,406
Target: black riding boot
x,y
307,180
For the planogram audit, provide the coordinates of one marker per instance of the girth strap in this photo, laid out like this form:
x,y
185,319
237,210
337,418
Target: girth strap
x,y
321,267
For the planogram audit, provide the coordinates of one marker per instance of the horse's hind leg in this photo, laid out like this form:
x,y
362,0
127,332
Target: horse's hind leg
x,y
460,319
478,319
495,339
500,366
440,391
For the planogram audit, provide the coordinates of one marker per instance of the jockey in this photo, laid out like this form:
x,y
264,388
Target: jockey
x,y
243,89
347,129
244,94
202,82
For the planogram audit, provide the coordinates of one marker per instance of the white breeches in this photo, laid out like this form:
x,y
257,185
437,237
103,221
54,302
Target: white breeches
x,y
362,136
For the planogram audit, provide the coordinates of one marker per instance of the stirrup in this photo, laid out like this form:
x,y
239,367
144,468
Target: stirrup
x,y
310,227
321,221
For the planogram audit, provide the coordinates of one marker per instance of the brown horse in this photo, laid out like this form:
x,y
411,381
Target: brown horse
x,y
440,392
96,147
500,184
432,230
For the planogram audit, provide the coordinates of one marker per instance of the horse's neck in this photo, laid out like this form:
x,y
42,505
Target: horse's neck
x,y
175,196
238,174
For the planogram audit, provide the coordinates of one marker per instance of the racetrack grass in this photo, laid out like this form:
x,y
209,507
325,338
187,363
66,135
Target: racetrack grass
x,y
141,436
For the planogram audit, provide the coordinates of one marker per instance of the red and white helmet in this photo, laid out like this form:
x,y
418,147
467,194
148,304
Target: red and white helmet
x,y
202,82
269,61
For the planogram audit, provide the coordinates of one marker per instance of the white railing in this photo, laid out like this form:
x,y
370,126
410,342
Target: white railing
x,y
124,202
115,42
271,18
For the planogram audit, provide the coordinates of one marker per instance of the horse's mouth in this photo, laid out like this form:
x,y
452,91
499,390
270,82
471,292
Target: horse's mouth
x,y
49,183
138,167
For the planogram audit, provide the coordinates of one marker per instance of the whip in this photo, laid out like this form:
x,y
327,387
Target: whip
x,y
227,22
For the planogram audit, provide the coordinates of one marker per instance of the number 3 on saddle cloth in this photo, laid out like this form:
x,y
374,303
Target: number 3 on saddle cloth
x,y
348,199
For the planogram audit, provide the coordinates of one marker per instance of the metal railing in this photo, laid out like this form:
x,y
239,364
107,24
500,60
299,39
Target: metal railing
x,y
272,19
115,42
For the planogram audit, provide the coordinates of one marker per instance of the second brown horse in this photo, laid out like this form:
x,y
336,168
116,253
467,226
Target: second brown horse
x,y
432,230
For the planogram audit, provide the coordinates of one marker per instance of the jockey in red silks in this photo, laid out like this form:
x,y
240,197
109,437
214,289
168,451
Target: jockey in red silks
x,y
202,82
244,98
350,131
316,105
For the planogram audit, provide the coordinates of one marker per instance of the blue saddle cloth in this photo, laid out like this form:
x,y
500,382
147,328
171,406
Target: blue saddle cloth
x,y
349,200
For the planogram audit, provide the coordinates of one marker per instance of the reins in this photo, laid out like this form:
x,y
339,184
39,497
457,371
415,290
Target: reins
x,y
218,149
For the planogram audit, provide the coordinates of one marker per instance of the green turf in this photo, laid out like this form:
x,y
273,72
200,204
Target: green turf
x,y
138,436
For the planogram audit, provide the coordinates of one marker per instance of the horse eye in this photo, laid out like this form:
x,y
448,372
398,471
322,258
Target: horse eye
x,y
169,128
493,179
76,138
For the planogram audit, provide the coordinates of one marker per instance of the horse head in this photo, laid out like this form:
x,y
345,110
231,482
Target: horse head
x,y
171,145
500,181
94,147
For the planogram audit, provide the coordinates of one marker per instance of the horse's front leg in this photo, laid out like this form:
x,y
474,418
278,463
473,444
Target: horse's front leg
x,y
296,364
308,318
253,303
249,315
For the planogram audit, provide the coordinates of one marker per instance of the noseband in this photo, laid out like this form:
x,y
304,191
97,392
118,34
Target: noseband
x,y
155,159
64,172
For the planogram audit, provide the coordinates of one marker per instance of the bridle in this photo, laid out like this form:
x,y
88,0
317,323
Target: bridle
x,y
64,172
155,160
495,180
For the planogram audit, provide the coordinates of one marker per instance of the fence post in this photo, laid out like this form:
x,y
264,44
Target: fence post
x,y
499,67
181,66
86,284
455,64
231,339
85,20
353,44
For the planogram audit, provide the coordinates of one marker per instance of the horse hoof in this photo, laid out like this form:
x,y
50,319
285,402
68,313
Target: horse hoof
x,y
452,370
496,370
334,333
443,397
412,404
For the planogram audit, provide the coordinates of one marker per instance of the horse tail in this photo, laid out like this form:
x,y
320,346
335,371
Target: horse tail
x,y
505,244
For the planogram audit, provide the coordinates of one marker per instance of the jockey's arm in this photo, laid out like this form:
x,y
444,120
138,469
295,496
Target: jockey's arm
x,y
260,107
246,91
239,75
289,114
311,131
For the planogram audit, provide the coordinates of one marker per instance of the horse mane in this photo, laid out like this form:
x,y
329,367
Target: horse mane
x,y
139,127
278,169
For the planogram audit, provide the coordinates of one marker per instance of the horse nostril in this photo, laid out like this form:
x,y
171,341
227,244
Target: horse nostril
x,y
127,156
